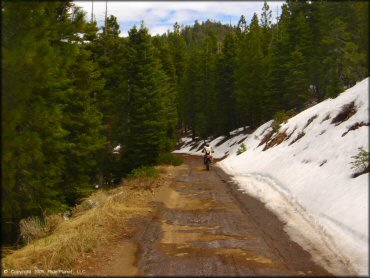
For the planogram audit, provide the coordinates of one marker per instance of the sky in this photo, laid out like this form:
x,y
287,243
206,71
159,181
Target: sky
x,y
160,16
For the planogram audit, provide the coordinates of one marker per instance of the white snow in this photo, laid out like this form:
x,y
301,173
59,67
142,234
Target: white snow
x,y
116,149
324,208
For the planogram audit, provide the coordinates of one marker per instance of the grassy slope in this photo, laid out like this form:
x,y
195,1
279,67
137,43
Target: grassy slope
x,y
90,227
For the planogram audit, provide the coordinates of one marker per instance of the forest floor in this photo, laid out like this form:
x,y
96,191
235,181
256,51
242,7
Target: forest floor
x,y
201,225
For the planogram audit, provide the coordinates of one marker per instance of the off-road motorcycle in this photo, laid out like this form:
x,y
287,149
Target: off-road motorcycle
x,y
208,161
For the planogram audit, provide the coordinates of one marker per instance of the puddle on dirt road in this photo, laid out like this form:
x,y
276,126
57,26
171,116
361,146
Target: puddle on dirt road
x,y
192,242
201,168
233,256
182,201
201,228
185,234
181,241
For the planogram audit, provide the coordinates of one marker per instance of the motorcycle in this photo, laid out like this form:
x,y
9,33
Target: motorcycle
x,y
208,161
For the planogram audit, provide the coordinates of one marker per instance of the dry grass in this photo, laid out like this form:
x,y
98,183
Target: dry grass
x,y
266,138
290,134
355,126
33,228
347,111
325,119
89,227
310,120
276,140
299,136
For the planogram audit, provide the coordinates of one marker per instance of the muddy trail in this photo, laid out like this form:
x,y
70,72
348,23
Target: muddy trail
x,y
202,226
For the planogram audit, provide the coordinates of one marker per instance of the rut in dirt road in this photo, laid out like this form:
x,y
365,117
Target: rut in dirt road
x,y
203,226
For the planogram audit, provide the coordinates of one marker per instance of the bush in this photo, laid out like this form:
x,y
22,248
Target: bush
x,y
361,160
143,172
281,117
31,228
346,112
34,227
52,222
241,149
170,159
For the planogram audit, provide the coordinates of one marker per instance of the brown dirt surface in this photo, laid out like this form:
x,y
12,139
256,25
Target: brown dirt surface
x,y
201,225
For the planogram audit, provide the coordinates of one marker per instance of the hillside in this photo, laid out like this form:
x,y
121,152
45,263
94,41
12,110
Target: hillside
x,y
303,173
81,244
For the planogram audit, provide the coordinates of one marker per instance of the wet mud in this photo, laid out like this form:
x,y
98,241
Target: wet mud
x,y
203,226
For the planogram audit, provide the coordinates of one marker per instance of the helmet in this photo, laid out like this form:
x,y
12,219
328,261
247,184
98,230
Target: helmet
x,y
207,144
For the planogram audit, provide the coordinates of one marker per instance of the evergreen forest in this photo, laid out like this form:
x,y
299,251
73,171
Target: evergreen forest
x,y
73,92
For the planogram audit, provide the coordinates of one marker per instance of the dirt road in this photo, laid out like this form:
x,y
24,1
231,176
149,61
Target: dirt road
x,y
202,226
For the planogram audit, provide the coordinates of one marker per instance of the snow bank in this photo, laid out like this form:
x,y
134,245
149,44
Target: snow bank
x,y
307,182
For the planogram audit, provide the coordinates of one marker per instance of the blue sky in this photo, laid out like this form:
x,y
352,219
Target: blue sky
x,y
160,16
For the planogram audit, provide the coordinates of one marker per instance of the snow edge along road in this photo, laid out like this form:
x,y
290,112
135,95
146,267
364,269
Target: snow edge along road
x,y
299,224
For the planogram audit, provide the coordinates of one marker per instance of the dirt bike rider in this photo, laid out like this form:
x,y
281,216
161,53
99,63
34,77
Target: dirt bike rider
x,y
207,150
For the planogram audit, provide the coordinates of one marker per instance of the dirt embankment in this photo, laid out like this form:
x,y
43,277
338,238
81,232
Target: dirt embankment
x,y
201,225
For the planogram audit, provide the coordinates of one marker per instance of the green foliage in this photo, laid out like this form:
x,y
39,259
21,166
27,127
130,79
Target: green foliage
x,y
360,160
149,92
225,98
52,130
143,172
83,122
281,117
250,72
169,159
242,149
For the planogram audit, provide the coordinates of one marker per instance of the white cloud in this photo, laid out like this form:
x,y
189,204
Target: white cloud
x,y
160,16
158,29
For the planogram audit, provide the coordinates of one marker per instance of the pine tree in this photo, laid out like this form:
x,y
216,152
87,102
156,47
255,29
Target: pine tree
x,y
298,68
362,36
178,51
242,26
83,122
249,73
33,137
109,51
194,96
110,54
343,62
208,63
226,119
170,94
266,27
147,126
316,21
280,56
297,82
53,128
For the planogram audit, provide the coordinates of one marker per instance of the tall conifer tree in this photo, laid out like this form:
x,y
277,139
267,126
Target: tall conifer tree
x,y
147,126
227,119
